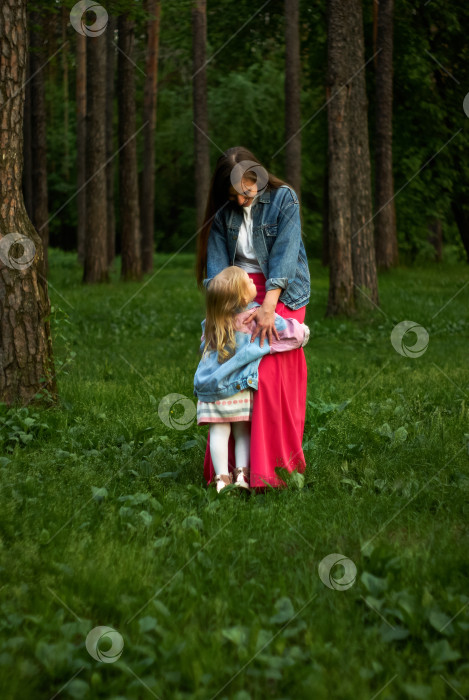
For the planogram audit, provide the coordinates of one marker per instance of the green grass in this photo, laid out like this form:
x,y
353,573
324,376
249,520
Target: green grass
x,y
105,518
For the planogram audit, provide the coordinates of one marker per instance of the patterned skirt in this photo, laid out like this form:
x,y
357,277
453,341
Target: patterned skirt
x,y
232,408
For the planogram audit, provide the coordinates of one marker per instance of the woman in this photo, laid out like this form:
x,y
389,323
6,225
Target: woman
x,y
252,220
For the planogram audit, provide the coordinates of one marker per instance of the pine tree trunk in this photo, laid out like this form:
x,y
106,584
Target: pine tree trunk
x,y
64,54
325,220
128,177
96,267
341,297
199,91
153,7
110,150
81,144
363,247
292,96
40,208
26,361
27,145
387,254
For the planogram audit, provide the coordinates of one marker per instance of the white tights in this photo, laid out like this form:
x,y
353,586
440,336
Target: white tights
x,y
219,436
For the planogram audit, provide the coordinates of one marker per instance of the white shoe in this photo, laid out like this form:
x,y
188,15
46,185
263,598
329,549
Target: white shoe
x,y
222,480
242,477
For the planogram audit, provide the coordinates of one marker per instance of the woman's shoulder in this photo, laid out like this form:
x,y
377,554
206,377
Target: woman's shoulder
x,y
284,194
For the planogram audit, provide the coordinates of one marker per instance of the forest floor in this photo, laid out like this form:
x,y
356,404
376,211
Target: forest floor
x,y
106,520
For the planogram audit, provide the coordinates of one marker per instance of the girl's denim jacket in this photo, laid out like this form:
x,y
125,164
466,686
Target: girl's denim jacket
x,y
277,242
214,380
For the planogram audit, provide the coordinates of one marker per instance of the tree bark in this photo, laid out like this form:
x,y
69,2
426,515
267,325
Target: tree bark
x,y
128,177
363,247
341,297
435,237
26,360
40,209
27,145
81,144
292,96
96,267
153,7
387,254
199,92
110,75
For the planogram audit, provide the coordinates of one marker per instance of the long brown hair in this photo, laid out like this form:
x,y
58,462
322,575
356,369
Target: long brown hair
x,y
227,295
218,198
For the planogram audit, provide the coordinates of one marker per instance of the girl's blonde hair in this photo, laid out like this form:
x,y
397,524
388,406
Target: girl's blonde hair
x,y
226,295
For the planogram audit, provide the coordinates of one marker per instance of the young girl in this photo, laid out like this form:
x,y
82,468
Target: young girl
x,y
228,371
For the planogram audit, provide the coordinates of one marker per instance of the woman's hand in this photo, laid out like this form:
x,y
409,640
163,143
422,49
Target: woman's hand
x,y
265,319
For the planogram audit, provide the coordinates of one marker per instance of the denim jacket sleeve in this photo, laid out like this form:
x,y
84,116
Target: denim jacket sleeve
x,y
283,258
217,250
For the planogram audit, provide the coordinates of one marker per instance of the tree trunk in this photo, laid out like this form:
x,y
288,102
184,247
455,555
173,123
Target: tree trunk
x,y
110,150
435,237
153,7
461,216
199,92
341,297
292,96
40,208
385,227
128,177
26,362
64,52
363,247
325,220
96,267
27,145
81,144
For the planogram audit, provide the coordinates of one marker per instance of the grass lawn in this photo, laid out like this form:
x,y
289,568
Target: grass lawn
x,y
106,520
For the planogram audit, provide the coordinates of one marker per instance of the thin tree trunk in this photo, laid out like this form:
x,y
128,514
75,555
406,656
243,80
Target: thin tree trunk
x,y
39,142
110,74
81,144
27,169
26,361
128,177
363,247
435,237
461,216
325,220
153,7
292,96
64,52
96,267
341,297
199,91
387,254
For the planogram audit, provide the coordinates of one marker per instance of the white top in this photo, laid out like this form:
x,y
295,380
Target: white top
x,y
245,256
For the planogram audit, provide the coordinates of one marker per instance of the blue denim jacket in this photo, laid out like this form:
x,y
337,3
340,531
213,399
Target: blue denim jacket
x,y
277,242
214,380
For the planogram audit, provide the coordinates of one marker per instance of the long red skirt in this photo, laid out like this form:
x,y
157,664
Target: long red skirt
x,y
278,415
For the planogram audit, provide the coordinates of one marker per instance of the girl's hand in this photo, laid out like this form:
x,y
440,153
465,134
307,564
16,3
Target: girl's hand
x,y
265,319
